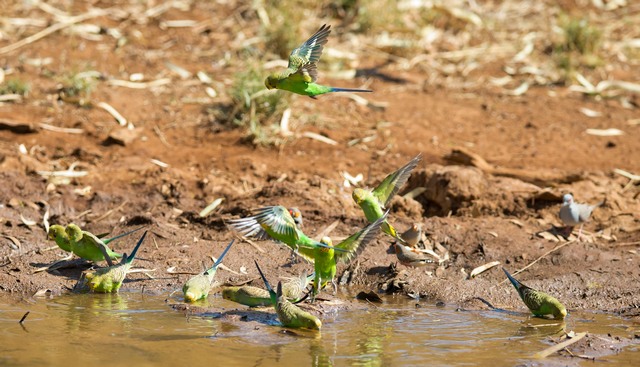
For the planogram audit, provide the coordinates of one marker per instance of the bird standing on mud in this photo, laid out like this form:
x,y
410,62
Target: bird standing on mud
x,y
538,302
199,286
572,213
373,202
83,243
302,72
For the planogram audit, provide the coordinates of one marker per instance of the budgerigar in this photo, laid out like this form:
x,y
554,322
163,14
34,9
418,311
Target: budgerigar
x,y
83,243
373,202
250,296
276,222
247,295
108,280
296,214
326,258
538,302
410,256
199,286
413,235
572,213
301,73
289,314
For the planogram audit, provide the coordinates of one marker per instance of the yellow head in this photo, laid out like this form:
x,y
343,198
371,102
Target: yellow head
x,y
358,195
56,231
326,241
74,232
271,82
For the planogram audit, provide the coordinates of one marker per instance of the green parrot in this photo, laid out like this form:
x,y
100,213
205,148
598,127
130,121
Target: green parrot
x,y
247,295
326,258
302,72
108,280
289,314
277,223
373,202
84,244
538,302
293,289
199,286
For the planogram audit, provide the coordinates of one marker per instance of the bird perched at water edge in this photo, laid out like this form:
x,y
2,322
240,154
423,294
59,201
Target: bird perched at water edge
x,y
301,73
199,286
538,302
289,314
107,280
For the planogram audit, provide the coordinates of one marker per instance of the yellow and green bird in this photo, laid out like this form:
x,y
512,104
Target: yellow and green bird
x,y
327,258
293,290
83,243
277,223
109,279
199,286
538,302
289,314
373,202
301,73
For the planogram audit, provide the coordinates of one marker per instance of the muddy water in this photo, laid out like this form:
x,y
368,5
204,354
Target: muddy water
x,y
141,330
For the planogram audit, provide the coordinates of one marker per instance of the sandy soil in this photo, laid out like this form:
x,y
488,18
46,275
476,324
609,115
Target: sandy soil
x,y
535,145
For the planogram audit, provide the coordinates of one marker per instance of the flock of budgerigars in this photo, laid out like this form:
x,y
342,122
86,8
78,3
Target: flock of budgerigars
x,y
284,225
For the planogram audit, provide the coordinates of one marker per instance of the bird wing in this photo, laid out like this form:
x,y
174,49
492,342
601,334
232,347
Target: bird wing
x,y
276,218
310,51
354,244
393,182
99,244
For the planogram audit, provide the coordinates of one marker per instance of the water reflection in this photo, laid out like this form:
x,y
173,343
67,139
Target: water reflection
x,y
133,329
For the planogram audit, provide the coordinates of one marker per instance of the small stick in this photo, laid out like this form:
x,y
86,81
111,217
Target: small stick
x,y
555,348
108,213
538,259
24,317
52,29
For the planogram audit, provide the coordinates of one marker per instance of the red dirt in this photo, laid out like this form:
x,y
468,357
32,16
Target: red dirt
x,y
542,131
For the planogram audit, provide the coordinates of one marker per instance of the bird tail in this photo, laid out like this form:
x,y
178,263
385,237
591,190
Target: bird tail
x,y
215,265
513,280
351,90
106,241
266,282
129,259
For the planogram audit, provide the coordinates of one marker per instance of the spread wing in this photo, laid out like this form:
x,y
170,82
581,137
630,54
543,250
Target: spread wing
x,y
302,60
355,243
393,182
276,218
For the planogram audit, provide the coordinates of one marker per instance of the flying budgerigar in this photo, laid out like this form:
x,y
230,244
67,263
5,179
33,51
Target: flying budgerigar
x,y
293,290
572,213
301,73
373,202
277,223
289,314
326,258
109,279
538,302
198,287
83,243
